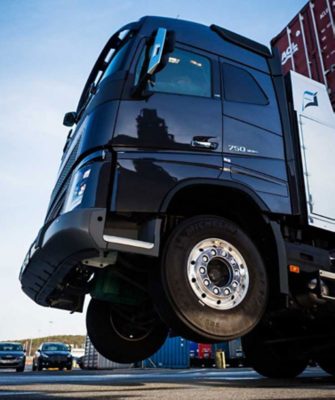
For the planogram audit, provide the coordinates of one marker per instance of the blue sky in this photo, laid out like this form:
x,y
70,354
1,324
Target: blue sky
x,y
47,50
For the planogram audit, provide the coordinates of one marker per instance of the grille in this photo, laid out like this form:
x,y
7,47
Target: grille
x,y
57,358
58,193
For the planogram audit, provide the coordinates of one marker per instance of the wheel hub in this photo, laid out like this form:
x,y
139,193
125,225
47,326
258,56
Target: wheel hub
x,y
218,274
128,327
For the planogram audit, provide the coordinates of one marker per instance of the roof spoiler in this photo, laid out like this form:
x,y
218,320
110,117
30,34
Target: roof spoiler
x,y
242,41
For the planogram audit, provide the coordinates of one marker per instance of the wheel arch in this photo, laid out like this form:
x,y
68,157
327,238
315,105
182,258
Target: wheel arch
x,y
220,184
241,205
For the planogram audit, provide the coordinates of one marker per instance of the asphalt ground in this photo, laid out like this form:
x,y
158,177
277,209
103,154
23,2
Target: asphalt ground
x,y
192,384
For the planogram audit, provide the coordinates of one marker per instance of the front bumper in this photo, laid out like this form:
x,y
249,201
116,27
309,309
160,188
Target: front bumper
x,y
68,240
4,364
60,245
56,363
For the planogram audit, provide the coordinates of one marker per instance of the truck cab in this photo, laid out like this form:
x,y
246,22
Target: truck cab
x,y
180,202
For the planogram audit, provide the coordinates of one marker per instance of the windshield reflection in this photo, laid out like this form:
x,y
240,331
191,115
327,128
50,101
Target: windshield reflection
x,y
10,347
54,347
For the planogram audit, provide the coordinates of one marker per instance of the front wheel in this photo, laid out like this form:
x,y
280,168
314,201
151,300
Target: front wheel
x,y
20,369
213,281
124,334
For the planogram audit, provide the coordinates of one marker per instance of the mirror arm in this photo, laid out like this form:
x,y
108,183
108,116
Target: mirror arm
x,y
140,91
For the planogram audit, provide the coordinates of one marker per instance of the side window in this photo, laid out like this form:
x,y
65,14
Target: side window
x,y
185,73
240,86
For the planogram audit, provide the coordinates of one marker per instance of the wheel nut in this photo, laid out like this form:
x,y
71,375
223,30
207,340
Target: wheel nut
x,y
226,292
213,252
206,282
235,284
224,254
216,291
205,258
202,270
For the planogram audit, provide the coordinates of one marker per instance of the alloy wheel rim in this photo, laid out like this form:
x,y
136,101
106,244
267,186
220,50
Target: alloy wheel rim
x,y
217,274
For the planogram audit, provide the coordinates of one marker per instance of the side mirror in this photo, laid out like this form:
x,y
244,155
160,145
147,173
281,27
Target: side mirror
x,y
38,350
24,350
157,51
162,43
70,118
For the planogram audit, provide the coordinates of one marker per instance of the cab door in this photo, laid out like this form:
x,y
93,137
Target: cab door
x,y
175,131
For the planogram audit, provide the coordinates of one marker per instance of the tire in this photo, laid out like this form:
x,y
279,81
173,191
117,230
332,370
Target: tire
x,y
271,357
180,288
20,369
69,368
39,366
34,367
123,339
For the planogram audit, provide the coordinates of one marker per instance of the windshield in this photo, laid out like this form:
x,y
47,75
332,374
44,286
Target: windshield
x,y
118,60
55,347
111,59
10,347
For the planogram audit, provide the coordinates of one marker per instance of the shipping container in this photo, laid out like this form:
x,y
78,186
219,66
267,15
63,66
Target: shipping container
x,y
175,353
205,351
194,350
307,44
201,355
94,360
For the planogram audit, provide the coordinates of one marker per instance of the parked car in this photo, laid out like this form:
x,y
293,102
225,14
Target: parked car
x,y
12,355
53,355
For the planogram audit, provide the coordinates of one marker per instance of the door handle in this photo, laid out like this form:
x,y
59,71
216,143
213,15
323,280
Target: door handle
x,y
203,142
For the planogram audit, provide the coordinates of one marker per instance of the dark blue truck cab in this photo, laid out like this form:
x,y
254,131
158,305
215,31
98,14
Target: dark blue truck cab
x,y
180,204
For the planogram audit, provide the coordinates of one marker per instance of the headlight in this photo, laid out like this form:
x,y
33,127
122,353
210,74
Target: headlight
x,y
76,189
44,355
69,356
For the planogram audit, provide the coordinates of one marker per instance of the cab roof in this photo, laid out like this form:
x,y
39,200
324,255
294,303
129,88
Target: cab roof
x,y
213,39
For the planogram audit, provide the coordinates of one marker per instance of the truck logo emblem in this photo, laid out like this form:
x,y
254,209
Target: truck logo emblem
x,y
309,99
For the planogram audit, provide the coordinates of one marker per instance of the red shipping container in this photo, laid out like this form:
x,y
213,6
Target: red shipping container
x,y
307,44
204,351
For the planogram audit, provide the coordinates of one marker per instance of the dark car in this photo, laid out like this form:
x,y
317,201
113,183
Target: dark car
x,y
53,355
12,355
